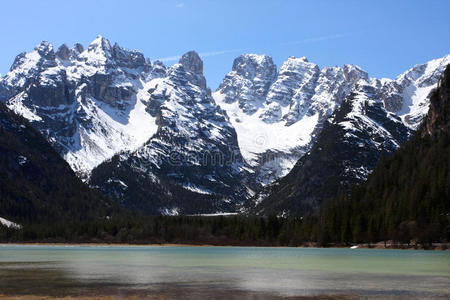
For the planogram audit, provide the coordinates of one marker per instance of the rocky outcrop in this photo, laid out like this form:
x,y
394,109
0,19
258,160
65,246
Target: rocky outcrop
x,y
437,120
192,62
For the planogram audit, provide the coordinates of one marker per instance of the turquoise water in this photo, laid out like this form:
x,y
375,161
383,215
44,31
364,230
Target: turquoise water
x,y
226,271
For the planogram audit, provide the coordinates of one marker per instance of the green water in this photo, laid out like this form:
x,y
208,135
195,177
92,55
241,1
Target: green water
x,y
201,272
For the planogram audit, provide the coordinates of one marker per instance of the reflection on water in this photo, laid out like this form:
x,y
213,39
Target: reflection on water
x,y
226,271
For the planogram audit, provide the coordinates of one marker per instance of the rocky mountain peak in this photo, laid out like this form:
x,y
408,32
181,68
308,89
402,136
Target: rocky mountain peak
x,y
294,73
192,62
45,49
253,65
76,50
189,69
27,64
354,73
63,52
297,69
100,42
66,93
248,82
194,149
158,68
129,59
98,53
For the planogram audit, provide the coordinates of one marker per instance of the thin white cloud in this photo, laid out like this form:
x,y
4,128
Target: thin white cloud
x,y
318,39
202,55
220,52
214,53
179,5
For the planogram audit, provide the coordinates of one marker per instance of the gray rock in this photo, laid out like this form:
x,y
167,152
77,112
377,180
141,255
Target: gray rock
x,y
75,51
192,62
249,81
63,52
18,61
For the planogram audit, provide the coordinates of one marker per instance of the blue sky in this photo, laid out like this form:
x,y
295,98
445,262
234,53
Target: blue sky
x,y
383,37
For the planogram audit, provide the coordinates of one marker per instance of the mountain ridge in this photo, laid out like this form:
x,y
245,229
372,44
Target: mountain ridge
x,y
278,122
109,105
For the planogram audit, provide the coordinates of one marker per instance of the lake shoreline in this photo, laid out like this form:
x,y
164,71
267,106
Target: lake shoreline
x,y
378,246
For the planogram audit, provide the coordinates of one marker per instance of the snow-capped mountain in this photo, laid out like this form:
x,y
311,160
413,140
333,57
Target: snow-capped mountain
x,y
88,103
353,139
278,115
409,94
134,128
195,147
94,103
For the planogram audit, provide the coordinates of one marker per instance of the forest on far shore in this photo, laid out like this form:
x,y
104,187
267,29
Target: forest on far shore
x,y
217,230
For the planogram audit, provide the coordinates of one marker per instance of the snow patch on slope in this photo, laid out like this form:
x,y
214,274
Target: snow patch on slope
x,y
9,224
418,82
256,136
18,107
112,131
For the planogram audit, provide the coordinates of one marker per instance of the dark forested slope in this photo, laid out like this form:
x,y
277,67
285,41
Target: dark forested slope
x,y
407,197
36,184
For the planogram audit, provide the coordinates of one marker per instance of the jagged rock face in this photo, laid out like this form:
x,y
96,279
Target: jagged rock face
x,y
437,121
353,139
408,95
63,52
192,62
195,147
249,81
292,74
287,114
292,88
76,50
87,103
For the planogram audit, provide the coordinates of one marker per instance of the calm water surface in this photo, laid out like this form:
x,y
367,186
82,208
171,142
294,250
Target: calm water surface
x,y
201,272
